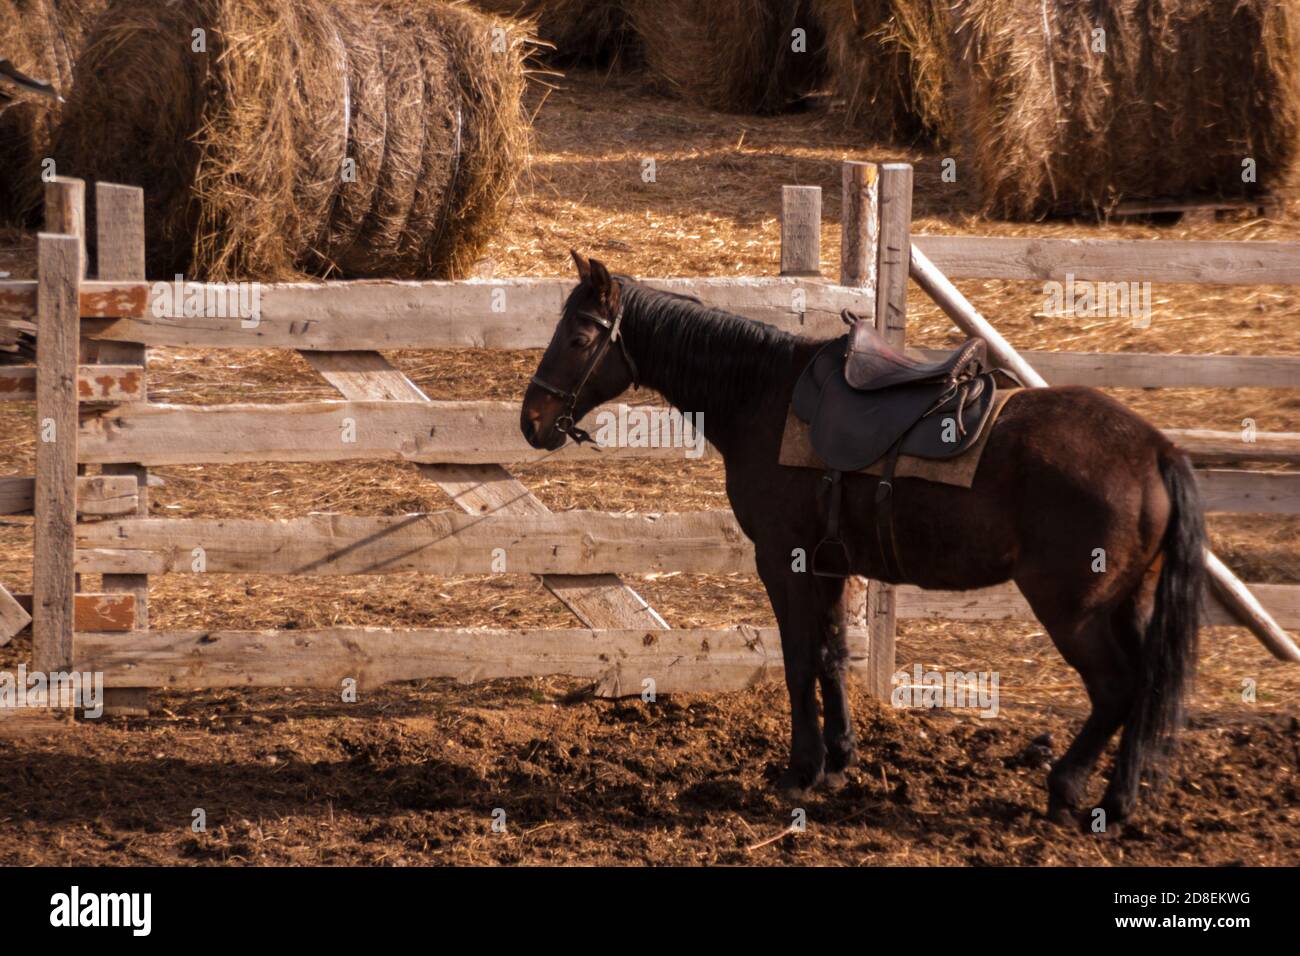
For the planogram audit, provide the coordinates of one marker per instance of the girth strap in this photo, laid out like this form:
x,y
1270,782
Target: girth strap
x,y
831,556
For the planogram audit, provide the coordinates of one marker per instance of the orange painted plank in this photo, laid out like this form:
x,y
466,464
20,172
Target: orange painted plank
x,y
97,612
105,384
99,299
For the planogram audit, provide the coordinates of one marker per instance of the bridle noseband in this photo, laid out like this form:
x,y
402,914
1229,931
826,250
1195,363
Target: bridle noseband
x,y
565,422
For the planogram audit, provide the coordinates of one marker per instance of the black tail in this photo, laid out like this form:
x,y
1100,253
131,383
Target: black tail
x,y
1168,661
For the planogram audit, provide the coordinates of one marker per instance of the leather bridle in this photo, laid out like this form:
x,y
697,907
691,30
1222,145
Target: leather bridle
x,y
565,423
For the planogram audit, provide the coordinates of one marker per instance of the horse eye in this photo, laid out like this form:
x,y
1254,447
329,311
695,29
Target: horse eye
x,y
578,342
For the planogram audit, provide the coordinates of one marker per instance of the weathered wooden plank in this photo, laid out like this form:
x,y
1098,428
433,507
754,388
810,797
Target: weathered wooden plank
x,y
36,720
597,601
1140,370
99,300
103,384
13,616
504,313
1114,260
1213,447
93,611
1005,603
801,230
443,542
415,431
65,212
97,495
59,268
619,661
1250,492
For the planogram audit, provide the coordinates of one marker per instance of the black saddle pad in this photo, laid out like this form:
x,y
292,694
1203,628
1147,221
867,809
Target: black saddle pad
x,y
851,430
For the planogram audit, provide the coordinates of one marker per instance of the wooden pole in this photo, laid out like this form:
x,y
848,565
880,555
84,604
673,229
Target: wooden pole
x,y
870,604
65,212
893,244
119,230
801,230
58,322
1232,591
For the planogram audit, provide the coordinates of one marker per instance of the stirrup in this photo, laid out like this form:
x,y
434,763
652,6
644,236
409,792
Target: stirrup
x,y
837,553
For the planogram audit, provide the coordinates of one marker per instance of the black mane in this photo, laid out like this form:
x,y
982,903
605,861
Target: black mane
x,y
700,357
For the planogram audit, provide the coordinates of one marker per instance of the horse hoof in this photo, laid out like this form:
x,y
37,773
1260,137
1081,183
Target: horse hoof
x,y
835,780
1062,813
795,787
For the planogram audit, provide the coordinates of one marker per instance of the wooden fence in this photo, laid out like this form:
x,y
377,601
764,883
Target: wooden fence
x,y
90,389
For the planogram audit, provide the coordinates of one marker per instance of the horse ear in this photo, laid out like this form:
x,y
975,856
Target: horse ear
x,y
605,286
583,265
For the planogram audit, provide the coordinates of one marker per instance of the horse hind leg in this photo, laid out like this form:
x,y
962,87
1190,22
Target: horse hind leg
x,y
1106,663
1129,624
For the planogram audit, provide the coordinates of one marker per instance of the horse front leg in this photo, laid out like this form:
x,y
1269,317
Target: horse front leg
x,y
833,660
801,613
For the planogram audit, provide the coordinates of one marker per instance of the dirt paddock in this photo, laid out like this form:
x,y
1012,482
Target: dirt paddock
x,y
412,773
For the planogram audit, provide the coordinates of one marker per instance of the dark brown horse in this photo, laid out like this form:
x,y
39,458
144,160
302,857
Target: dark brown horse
x,y
1066,471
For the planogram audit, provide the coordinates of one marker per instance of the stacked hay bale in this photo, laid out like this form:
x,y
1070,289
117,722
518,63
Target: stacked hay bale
x,y
577,31
277,138
890,61
1052,116
41,38
738,56
1184,92
732,55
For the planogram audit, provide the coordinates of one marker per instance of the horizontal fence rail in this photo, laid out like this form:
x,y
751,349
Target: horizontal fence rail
x,y
97,496
416,431
619,661
444,542
458,433
484,313
1005,603
1143,370
1114,260
104,384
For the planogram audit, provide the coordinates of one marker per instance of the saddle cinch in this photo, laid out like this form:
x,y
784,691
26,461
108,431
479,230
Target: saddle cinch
x,y
867,402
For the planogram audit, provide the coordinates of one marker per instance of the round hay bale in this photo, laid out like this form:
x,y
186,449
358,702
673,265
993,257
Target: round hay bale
x,y
578,31
282,138
889,62
1184,91
738,56
41,38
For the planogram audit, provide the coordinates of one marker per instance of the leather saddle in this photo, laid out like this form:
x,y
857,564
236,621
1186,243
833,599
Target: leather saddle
x,y
931,410
865,401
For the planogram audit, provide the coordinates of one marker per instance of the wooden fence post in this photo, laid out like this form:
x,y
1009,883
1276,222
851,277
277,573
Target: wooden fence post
x,y
58,329
65,213
859,237
801,230
119,230
893,256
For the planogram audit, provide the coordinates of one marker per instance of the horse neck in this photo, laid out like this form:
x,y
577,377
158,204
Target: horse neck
x,y
704,361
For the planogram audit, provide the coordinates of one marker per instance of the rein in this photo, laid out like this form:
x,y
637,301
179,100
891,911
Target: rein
x,y
565,423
